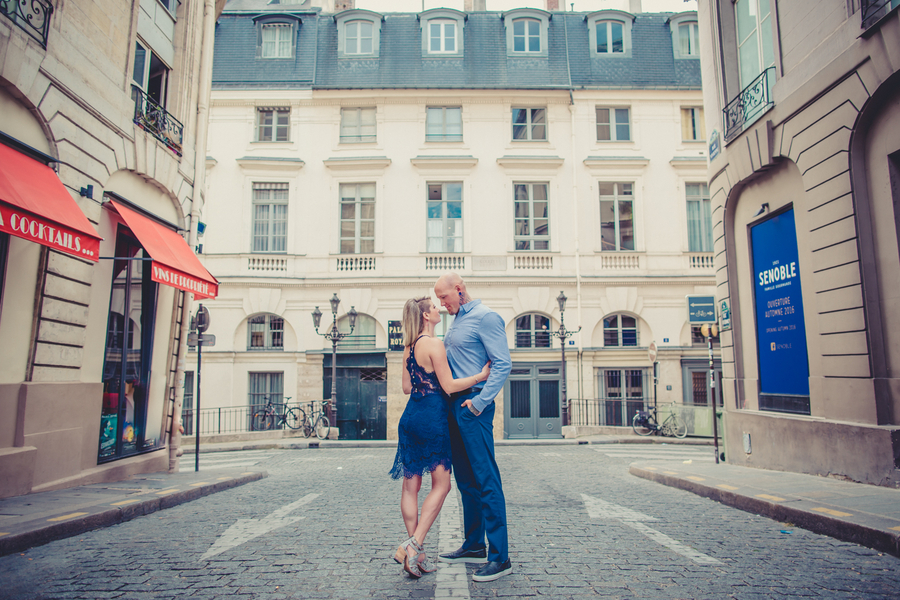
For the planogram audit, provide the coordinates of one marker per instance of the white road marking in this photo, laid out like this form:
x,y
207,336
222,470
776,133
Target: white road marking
x,y
601,509
204,466
245,530
452,580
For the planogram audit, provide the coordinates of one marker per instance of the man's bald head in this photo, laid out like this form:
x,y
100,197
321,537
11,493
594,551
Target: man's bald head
x,y
450,290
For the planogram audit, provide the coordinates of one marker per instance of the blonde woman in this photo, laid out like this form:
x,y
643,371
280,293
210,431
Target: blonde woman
x,y
424,437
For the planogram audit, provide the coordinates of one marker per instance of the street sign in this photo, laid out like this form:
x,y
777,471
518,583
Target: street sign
x,y
701,309
200,322
395,336
201,339
651,352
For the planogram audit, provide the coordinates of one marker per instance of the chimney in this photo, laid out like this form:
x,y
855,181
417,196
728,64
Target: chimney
x,y
552,5
474,5
340,5
634,7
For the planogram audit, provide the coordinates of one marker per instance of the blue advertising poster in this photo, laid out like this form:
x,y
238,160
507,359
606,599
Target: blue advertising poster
x,y
780,327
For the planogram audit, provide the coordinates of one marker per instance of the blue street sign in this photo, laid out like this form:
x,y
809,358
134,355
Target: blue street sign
x,y
701,309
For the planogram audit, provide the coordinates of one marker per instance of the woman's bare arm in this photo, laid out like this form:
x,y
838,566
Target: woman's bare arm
x,y
407,383
438,357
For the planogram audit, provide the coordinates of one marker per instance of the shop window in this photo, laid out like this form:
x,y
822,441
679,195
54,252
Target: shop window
x,y
531,216
265,388
613,124
444,217
358,218
616,216
357,125
129,347
443,124
529,124
532,331
620,331
265,332
270,208
273,125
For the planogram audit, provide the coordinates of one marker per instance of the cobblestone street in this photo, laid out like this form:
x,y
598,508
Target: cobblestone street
x,y
324,524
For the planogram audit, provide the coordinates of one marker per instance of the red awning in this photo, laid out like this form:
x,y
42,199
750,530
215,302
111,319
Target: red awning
x,y
174,263
35,206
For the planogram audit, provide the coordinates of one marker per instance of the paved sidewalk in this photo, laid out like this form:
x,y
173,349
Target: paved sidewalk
x,y
868,515
35,519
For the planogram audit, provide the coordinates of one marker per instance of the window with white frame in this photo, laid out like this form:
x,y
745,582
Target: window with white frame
x,y
273,124
532,331
270,209
265,388
756,50
620,330
616,216
699,217
443,124
150,75
688,36
692,127
526,35
357,125
532,216
613,124
442,36
529,124
276,39
444,217
265,332
610,37
359,38
357,218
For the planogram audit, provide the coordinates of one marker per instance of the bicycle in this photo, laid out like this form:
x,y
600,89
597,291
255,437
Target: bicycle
x,y
644,423
317,421
267,418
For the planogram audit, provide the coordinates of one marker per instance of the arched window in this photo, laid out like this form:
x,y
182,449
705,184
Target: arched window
x,y
265,332
363,335
609,33
610,37
619,330
532,331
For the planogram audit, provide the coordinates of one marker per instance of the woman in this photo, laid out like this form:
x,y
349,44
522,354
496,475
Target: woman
x,y
424,444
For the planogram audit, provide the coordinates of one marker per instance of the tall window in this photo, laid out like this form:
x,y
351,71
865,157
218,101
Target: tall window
x,y
616,216
532,331
529,124
699,218
276,40
358,37
265,387
756,52
441,37
532,217
150,74
357,218
187,405
273,124
623,392
445,229
610,37
526,35
619,330
688,34
270,208
692,127
357,125
265,332
613,124
443,124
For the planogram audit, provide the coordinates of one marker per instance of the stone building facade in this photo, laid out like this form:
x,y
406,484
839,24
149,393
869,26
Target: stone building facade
x,y
803,178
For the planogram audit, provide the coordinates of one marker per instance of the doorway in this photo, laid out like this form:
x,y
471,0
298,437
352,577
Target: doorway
x,y
533,408
361,411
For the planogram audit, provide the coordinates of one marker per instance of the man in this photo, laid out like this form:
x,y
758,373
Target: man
x,y
477,335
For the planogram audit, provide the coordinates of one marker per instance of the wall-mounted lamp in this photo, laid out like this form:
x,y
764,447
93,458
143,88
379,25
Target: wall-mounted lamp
x,y
87,192
763,209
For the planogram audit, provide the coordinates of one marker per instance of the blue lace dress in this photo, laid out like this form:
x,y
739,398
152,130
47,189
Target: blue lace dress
x,y
423,431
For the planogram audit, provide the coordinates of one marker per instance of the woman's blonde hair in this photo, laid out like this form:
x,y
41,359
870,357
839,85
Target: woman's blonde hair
x,y
413,318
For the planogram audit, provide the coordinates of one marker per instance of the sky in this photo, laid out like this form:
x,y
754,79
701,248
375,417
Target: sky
x,y
384,6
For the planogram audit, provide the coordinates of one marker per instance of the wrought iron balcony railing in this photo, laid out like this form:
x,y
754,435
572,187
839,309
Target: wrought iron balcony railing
x,y
32,16
752,102
874,10
156,120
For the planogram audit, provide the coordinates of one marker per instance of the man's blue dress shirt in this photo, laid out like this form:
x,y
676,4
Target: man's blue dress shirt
x,y
478,335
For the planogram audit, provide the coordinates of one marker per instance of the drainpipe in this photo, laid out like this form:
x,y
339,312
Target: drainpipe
x,y
204,84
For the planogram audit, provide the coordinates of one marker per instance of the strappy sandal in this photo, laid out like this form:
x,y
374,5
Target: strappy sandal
x,y
410,562
400,554
425,565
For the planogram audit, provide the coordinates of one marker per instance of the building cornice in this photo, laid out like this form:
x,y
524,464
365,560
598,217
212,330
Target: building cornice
x,y
270,163
530,162
357,163
444,162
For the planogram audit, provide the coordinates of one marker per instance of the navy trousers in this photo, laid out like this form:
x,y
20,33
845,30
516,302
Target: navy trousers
x,y
478,478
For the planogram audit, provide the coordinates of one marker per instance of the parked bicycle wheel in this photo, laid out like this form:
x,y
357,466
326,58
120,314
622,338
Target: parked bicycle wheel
x,y
679,427
262,420
294,418
641,423
323,427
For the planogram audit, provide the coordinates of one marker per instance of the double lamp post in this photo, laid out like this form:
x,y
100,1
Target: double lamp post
x,y
562,333
335,336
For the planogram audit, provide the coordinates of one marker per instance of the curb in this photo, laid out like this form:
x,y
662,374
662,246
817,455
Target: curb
x,y
17,542
864,535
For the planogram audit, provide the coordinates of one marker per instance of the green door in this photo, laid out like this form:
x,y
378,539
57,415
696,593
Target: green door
x,y
533,401
361,411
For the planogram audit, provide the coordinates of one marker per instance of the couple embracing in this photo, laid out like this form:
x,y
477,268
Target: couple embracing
x,y
448,425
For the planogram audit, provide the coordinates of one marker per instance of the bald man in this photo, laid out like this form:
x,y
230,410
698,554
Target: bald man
x,y
477,335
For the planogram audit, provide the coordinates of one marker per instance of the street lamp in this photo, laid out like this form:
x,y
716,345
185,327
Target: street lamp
x,y
335,336
562,333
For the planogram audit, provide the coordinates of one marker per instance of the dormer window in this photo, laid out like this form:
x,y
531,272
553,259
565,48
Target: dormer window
x,y
442,32
526,32
276,36
610,33
441,36
685,35
359,33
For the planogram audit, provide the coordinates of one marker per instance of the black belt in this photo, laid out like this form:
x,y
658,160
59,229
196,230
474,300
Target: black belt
x,y
466,392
